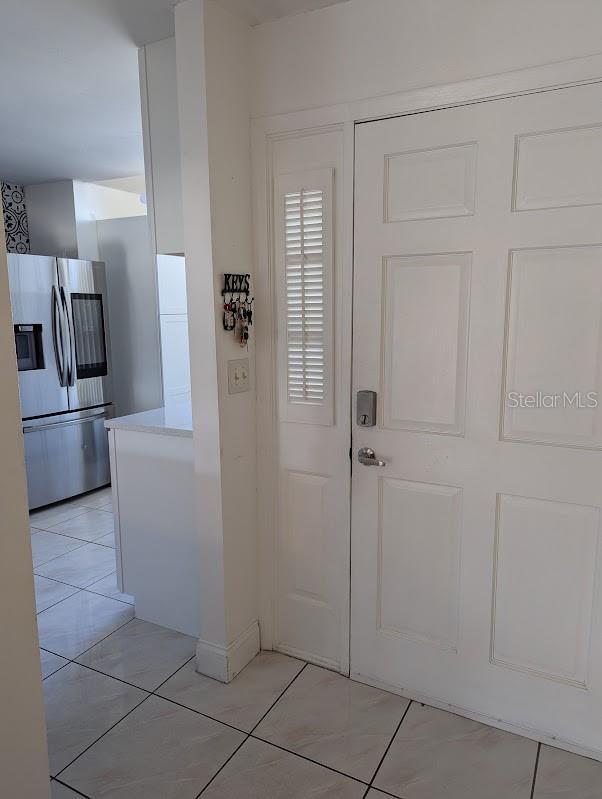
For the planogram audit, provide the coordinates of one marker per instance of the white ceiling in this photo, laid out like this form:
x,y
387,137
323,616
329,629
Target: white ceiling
x,y
257,11
69,96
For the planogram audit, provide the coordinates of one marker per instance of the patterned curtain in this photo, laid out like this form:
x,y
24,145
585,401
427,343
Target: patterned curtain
x,y
15,218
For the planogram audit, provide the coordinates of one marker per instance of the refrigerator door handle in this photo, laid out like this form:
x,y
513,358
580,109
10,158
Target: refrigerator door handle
x,y
70,341
70,423
58,336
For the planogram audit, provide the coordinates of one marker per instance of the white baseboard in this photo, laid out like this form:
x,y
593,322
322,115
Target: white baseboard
x,y
491,721
223,663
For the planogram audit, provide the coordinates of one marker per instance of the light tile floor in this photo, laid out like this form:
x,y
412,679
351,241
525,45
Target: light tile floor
x,y
129,718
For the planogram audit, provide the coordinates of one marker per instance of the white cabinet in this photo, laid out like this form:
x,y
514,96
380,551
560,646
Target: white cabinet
x,y
161,134
155,527
171,277
175,356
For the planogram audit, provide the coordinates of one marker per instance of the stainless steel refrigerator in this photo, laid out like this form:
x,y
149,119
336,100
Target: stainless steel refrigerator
x,y
59,308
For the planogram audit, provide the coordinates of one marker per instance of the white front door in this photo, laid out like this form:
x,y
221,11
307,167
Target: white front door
x,y
478,320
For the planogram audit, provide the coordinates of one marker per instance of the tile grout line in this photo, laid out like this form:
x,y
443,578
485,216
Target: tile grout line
x,y
279,697
63,535
37,565
46,529
64,784
87,588
58,602
386,752
74,501
82,541
64,554
62,666
84,510
173,674
104,638
384,793
535,770
106,732
309,759
119,679
114,598
70,585
198,712
102,578
223,766
72,660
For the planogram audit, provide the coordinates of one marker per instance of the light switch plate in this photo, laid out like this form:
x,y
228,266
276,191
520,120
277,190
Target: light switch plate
x,y
238,376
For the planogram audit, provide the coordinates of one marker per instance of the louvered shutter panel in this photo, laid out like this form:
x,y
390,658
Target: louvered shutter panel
x,y
304,261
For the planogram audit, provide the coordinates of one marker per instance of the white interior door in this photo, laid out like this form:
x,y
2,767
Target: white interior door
x,y
478,279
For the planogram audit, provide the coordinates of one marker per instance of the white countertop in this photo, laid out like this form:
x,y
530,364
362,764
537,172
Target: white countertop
x,y
175,419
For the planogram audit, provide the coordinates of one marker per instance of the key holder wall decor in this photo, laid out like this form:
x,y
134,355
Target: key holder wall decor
x,y
238,306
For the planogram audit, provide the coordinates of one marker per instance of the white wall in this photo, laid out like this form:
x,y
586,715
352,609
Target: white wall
x,y
367,48
93,203
51,218
124,245
96,201
62,215
213,90
23,754
160,127
136,184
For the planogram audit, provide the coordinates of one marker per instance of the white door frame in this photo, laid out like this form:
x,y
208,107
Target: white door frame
x,y
264,132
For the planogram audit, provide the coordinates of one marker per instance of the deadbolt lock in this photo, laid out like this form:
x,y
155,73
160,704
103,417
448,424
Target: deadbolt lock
x,y
366,408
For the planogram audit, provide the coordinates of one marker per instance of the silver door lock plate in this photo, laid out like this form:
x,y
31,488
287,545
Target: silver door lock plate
x,y
366,408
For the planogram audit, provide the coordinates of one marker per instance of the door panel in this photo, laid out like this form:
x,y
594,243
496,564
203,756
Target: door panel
x,y
477,284
550,300
419,561
423,387
84,292
558,168
550,637
431,183
32,279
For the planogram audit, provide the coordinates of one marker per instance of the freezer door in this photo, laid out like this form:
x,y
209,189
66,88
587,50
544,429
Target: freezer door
x,y
66,455
41,334
83,291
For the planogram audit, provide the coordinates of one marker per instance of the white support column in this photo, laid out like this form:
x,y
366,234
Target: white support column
x,y
212,67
